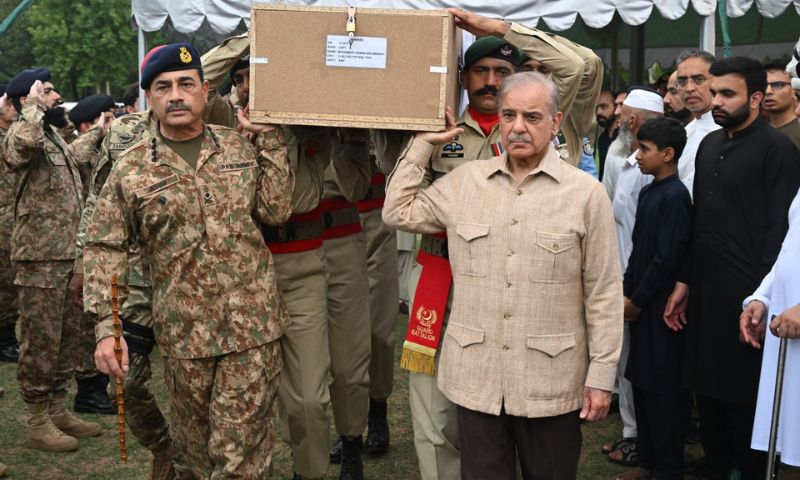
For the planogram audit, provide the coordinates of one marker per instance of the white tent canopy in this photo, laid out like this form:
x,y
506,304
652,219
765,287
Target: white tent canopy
x,y
224,16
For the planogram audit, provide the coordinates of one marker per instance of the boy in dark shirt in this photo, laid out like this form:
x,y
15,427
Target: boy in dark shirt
x,y
660,239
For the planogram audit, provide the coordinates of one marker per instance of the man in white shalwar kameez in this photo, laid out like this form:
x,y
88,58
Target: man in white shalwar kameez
x,y
779,296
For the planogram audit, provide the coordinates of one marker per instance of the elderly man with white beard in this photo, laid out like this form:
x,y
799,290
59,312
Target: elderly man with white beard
x,y
640,105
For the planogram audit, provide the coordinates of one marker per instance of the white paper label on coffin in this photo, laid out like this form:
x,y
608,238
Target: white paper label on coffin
x,y
258,60
365,52
435,69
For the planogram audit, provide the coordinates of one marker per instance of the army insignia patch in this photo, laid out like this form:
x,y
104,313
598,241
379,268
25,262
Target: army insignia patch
x,y
453,150
126,137
186,57
588,148
426,317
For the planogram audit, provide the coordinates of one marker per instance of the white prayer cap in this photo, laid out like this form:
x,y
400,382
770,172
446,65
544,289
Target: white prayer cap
x,y
645,99
796,83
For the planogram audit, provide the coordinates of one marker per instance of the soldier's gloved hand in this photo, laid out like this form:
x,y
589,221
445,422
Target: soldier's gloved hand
x,y
106,361
76,290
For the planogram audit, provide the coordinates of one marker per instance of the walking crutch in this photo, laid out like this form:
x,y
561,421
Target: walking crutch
x,y
776,408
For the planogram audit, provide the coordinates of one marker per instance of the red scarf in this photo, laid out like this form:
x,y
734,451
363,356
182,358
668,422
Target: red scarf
x,y
486,122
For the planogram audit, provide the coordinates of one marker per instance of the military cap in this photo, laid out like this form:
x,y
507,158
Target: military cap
x,y
90,108
20,86
491,47
243,63
170,58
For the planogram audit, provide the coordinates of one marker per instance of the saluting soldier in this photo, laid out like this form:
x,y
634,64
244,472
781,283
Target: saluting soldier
x,y
9,309
190,197
48,203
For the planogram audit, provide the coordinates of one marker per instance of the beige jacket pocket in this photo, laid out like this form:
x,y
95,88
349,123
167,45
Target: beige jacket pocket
x,y
552,365
461,350
469,249
556,258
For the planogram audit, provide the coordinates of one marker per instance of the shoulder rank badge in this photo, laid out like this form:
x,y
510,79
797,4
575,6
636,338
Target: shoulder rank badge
x,y
186,57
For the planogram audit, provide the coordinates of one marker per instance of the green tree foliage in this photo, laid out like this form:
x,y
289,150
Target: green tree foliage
x,y
15,45
88,44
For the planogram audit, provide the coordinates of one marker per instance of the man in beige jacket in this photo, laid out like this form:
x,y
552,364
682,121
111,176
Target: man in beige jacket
x,y
535,328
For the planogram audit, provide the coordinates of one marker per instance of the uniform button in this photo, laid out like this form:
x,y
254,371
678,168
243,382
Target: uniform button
x,y
514,221
506,347
507,315
508,285
519,191
510,253
555,246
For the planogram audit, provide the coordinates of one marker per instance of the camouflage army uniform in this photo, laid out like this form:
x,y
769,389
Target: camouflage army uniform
x,y
86,150
216,307
142,414
296,247
347,180
47,211
9,310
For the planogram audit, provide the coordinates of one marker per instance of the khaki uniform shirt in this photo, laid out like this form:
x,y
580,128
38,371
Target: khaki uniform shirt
x,y
348,172
468,146
214,286
309,150
578,73
49,195
217,64
537,303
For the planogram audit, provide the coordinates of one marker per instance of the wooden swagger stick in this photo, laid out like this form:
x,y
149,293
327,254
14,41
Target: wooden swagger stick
x,y
123,451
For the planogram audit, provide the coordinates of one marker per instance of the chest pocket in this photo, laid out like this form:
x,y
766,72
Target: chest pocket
x,y
160,207
469,249
240,178
60,178
556,258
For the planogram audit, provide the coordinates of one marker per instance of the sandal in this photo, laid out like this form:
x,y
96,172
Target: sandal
x,y
628,454
607,448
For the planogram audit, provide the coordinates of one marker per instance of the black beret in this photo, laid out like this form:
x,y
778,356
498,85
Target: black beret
x,y
90,108
170,58
243,63
20,86
492,47
3,88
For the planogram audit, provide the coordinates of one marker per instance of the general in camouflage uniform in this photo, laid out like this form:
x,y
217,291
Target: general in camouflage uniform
x,y
217,312
47,211
9,310
142,414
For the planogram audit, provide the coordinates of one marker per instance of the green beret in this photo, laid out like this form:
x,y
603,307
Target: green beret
x,y
491,47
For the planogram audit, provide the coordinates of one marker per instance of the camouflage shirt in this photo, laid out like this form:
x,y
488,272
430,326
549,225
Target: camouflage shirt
x,y
124,133
8,188
214,284
48,196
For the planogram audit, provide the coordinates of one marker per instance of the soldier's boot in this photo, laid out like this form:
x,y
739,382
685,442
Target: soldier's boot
x,y
9,346
68,423
43,435
378,428
352,467
92,396
162,468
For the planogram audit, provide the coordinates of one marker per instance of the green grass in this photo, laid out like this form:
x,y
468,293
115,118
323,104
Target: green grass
x,y
98,458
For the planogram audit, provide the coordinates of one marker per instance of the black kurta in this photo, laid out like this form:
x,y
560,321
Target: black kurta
x,y
660,238
743,187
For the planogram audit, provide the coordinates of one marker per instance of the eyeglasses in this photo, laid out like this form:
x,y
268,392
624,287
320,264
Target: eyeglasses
x,y
778,85
696,79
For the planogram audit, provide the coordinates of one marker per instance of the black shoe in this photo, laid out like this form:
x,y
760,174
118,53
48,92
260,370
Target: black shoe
x,y
378,429
9,353
352,468
92,396
335,451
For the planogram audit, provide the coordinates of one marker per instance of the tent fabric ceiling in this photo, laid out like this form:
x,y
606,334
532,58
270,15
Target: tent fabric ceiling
x,y
225,16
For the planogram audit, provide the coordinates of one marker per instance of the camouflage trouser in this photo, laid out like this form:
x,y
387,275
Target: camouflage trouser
x,y
9,311
48,329
84,351
142,414
222,411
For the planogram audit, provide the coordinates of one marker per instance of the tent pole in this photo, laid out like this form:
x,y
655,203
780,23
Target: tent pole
x,y
708,38
142,47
